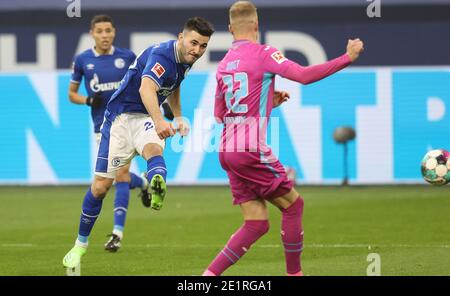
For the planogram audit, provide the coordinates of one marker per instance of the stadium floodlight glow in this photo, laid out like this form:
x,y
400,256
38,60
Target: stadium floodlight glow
x,y
342,135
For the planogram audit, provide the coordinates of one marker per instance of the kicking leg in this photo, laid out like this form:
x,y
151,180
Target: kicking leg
x,y
156,174
256,224
291,206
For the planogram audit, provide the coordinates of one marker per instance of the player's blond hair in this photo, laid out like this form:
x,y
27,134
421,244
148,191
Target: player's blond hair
x,y
242,13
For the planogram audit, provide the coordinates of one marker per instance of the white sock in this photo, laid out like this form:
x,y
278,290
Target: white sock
x,y
80,244
118,232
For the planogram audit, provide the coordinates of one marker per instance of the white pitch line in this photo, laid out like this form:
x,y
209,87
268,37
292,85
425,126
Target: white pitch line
x,y
17,245
268,246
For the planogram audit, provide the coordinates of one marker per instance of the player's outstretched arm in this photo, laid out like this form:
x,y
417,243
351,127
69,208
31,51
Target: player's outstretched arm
x,y
310,74
149,98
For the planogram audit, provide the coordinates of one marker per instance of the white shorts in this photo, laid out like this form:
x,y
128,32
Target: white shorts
x,y
122,139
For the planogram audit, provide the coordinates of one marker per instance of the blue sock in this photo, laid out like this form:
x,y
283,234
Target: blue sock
x,y
136,181
156,165
121,204
89,212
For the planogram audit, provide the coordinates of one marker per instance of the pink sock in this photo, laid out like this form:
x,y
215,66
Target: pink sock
x,y
292,236
238,245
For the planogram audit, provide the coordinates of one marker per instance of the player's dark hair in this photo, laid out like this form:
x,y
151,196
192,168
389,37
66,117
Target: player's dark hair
x,y
199,25
101,18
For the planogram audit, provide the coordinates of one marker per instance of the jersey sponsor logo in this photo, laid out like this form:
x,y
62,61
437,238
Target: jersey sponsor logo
x,y
158,70
278,57
96,86
119,63
90,66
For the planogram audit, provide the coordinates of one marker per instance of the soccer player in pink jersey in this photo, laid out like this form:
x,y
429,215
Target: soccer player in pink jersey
x,y
244,99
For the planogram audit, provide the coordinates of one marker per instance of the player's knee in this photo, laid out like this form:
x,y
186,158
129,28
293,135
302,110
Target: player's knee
x,y
298,203
151,150
261,227
123,176
265,226
99,189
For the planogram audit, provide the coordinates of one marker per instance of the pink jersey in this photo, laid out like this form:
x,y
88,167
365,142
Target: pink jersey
x,y
245,88
244,94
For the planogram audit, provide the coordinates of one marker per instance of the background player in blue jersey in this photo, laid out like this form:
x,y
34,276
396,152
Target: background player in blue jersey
x,y
134,123
103,68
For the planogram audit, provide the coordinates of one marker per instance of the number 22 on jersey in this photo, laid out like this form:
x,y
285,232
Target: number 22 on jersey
x,y
238,94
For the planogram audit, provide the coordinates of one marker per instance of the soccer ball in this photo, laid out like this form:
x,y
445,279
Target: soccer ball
x,y
436,167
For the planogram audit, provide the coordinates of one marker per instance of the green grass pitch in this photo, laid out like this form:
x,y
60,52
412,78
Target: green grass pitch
x,y
408,226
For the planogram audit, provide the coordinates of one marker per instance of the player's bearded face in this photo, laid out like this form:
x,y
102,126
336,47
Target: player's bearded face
x,y
103,34
192,46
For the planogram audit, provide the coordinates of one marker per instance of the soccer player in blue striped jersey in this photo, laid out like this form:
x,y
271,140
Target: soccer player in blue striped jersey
x,y
103,68
134,123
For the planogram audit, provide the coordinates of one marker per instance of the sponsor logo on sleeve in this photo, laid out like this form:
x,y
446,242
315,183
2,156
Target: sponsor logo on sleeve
x,y
278,57
158,70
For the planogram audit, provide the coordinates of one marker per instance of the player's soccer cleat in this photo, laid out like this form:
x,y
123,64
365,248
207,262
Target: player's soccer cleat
x,y
113,244
159,189
75,271
144,195
73,257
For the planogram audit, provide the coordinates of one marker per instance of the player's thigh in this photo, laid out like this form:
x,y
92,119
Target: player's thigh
x,y
254,209
116,147
123,173
145,139
286,200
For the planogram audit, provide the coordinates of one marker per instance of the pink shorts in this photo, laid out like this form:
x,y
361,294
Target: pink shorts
x,y
251,179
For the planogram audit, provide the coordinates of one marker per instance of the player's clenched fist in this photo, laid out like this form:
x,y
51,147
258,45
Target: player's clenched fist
x,y
279,97
164,129
354,48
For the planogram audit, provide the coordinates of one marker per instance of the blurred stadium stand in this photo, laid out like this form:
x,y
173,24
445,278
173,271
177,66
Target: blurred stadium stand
x,y
409,27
